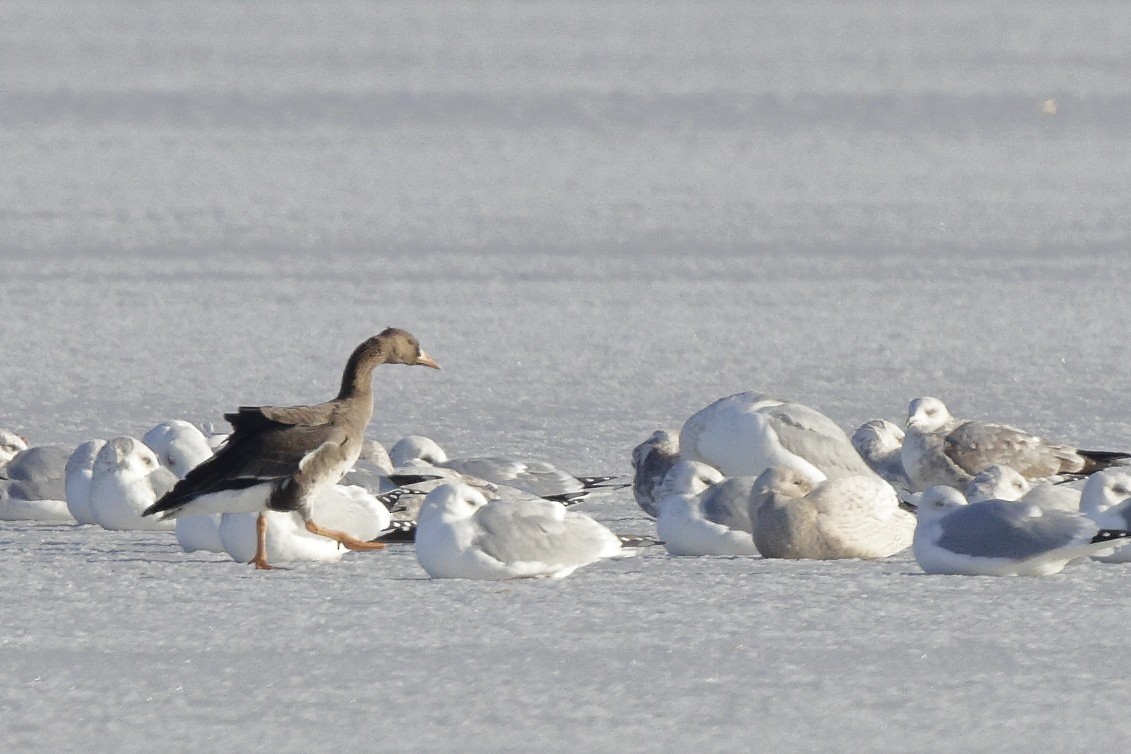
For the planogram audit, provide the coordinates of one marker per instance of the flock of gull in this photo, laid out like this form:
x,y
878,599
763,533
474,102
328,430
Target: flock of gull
x,y
748,475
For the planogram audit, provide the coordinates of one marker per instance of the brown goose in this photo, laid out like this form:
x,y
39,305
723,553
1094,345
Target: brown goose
x,y
278,458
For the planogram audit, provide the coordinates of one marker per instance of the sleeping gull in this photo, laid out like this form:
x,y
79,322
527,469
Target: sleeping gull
x,y
126,480
345,508
34,487
79,469
536,477
880,442
279,458
747,433
180,447
1003,483
461,535
10,444
1107,501
651,461
42,469
1002,537
939,449
701,513
404,502
850,517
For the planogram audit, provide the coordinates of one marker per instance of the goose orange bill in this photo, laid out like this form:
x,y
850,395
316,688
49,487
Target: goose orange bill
x,y
424,360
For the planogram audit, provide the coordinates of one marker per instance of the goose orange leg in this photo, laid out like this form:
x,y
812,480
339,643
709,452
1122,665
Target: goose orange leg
x,y
350,543
260,559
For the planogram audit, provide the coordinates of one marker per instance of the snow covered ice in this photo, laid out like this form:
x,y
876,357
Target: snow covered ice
x,y
599,218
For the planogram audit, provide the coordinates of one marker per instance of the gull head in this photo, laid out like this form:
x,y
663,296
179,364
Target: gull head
x,y
938,501
662,441
416,449
784,481
452,501
179,445
1105,490
687,478
997,483
10,444
877,437
127,457
927,414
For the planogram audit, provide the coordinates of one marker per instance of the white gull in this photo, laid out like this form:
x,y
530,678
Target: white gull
x,y
703,513
1002,537
1107,501
126,480
747,433
462,535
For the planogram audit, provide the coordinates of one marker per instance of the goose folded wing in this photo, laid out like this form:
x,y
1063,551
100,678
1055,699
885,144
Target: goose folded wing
x,y
258,450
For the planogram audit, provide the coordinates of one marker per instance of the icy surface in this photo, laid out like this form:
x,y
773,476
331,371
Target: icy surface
x,y
598,217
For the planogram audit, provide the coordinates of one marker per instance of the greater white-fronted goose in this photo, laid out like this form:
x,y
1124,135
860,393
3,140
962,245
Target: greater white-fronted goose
x,y
278,458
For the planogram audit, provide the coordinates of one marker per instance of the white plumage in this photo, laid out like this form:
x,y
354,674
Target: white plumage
x,y
1001,537
461,535
747,433
703,513
127,479
345,508
180,447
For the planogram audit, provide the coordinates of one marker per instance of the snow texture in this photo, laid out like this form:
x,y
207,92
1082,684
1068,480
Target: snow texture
x,y
599,218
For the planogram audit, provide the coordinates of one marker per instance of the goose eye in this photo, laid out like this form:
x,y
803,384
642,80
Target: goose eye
x,y
1119,489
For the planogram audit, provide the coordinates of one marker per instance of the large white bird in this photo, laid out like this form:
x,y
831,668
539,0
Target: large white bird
x,y
651,462
536,477
849,517
461,535
940,449
747,433
1002,537
125,481
79,469
703,513
1107,501
180,447
347,508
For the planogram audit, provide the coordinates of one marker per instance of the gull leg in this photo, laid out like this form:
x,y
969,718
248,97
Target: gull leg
x,y
260,559
350,543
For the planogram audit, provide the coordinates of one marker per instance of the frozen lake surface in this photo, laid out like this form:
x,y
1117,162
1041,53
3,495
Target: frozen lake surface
x,y
598,218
